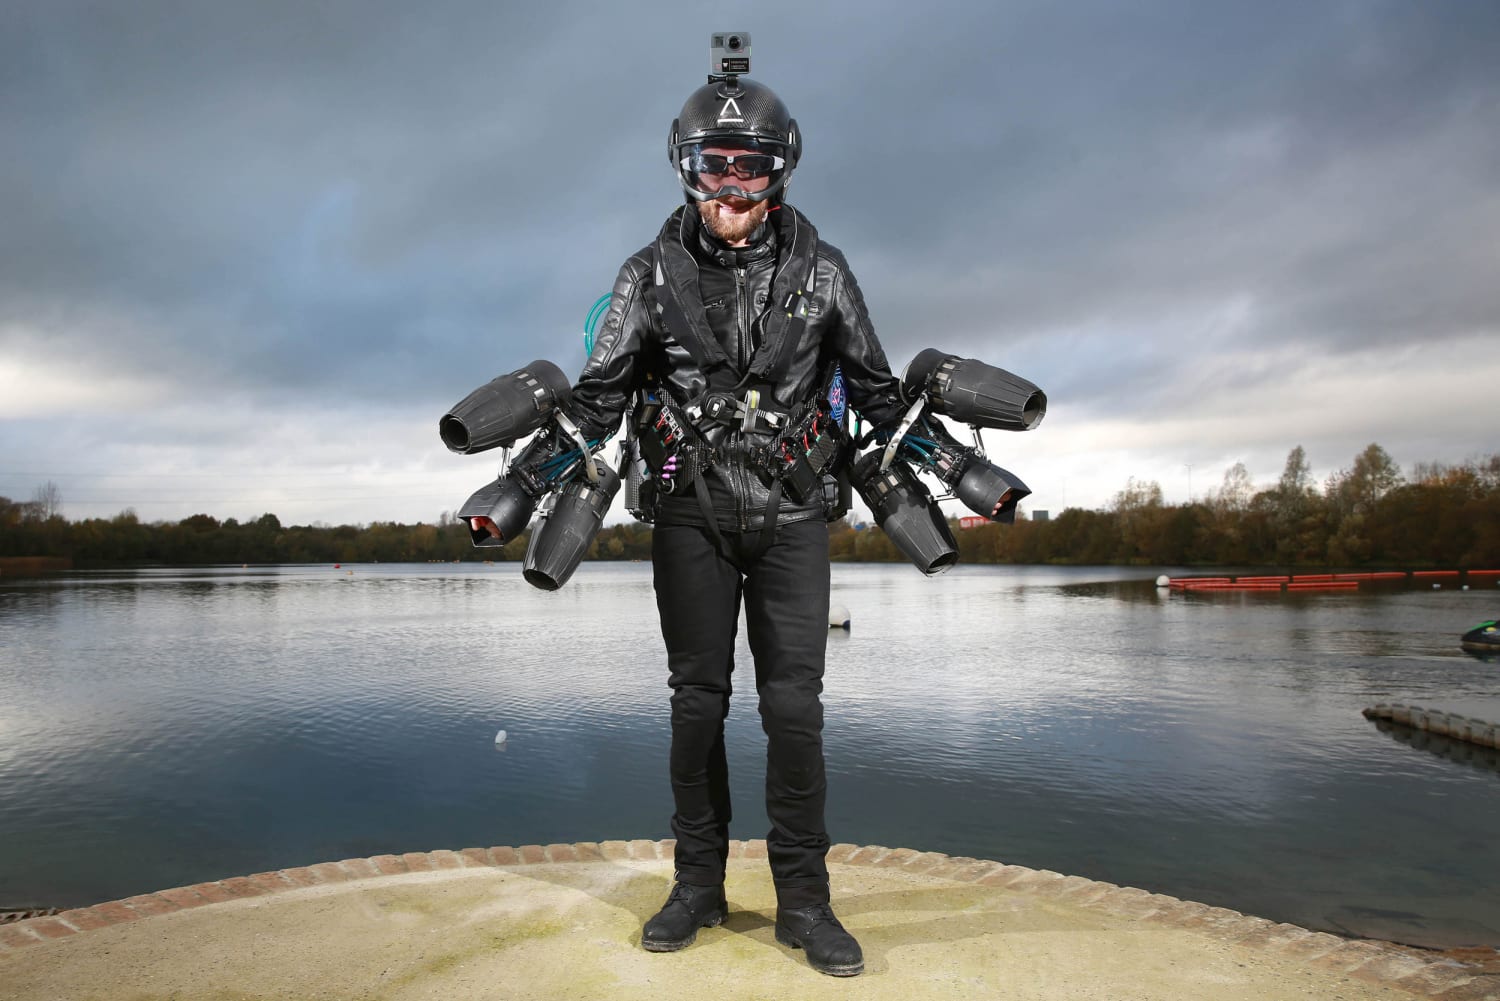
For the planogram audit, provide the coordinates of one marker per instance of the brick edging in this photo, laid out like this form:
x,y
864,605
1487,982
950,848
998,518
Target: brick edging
x,y
1373,962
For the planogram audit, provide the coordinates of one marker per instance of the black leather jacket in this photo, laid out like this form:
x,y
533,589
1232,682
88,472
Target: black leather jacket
x,y
633,348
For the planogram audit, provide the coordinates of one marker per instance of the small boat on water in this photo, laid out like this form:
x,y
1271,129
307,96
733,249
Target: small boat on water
x,y
1483,638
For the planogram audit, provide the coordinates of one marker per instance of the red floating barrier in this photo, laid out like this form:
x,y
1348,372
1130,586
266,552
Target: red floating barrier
x,y
1483,573
1236,587
1261,580
1389,575
1355,576
1434,573
1313,576
1323,585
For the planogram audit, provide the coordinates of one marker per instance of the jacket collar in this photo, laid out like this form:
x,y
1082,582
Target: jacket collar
x,y
762,245
677,254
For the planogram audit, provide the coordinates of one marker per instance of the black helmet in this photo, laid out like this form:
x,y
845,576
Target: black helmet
x,y
734,113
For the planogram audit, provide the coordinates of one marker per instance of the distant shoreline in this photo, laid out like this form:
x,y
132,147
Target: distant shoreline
x,y
25,565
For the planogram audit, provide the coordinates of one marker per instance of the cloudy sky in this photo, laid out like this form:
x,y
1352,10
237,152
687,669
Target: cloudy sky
x,y
251,252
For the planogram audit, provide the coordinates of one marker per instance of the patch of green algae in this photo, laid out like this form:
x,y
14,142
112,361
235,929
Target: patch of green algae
x,y
484,944
413,902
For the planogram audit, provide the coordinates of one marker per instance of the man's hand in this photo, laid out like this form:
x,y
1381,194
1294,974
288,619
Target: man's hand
x,y
483,524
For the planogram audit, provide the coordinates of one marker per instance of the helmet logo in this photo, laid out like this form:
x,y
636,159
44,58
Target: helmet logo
x,y
730,114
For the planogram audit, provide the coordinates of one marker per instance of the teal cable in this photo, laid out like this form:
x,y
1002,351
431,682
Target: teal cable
x,y
591,323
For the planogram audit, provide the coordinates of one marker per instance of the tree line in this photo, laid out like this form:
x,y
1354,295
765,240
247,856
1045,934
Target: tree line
x,y
1366,515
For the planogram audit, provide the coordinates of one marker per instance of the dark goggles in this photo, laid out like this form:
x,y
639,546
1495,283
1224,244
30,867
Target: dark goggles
x,y
732,167
745,166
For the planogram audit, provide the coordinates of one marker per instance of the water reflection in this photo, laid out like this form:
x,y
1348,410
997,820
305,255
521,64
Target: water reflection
x,y
1461,751
163,727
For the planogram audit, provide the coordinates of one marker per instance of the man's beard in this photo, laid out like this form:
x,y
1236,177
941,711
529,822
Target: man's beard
x,y
736,228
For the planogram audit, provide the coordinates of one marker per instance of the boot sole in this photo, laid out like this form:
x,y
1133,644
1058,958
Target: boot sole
x,y
658,945
789,940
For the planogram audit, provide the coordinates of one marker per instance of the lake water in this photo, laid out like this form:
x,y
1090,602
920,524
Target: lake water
x,y
164,727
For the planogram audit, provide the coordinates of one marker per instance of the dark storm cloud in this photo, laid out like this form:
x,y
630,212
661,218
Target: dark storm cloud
x,y
385,203
1133,162
1335,175
250,162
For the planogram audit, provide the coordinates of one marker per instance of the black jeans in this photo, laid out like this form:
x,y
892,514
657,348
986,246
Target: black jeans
x,y
785,593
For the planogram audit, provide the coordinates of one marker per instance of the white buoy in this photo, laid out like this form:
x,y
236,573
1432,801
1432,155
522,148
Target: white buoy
x,y
838,617
500,737
1163,581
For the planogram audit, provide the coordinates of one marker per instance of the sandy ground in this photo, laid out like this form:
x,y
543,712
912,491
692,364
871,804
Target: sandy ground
x,y
571,930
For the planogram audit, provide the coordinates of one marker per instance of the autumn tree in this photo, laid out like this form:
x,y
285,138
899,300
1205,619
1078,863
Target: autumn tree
x,y
1141,521
1294,512
1352,495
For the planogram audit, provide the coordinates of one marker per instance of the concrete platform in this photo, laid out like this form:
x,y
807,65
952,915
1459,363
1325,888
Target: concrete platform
x,y
563,921
1465,723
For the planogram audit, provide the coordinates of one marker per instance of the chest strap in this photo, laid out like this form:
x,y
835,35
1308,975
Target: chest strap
x,y
678,300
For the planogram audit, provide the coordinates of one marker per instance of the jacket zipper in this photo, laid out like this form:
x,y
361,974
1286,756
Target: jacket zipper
x,y
742,305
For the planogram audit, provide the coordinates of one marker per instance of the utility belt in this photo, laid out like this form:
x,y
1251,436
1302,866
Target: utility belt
x,y
796,448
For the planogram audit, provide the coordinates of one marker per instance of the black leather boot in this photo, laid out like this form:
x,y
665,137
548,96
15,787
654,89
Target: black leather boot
x,y
830,949
687,909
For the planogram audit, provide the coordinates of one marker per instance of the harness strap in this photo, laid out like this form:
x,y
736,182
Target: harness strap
x,y
681,306
743,412
763,538
768,525
706,505
798,247
728,402
678,300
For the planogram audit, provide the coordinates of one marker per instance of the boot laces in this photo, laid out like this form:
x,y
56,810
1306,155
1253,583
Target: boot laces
x,y
820,913
684,893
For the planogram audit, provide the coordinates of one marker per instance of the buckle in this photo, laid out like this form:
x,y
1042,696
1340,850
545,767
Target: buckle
x,y
720,408
755,420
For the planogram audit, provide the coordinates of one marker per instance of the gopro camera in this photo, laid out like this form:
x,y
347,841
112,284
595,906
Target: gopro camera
x,y
729,53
